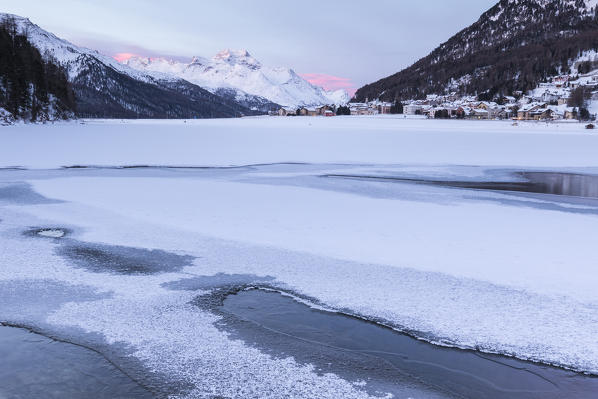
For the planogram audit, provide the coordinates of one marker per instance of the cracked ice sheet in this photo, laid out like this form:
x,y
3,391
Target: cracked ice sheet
x,y
506,279
168,334
173,336
542,251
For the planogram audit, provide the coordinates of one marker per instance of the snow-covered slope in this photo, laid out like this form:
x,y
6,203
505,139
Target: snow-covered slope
x,y
71,56
511,47
238,70
106,88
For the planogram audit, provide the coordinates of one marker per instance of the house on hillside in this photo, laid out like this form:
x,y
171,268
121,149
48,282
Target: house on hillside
x,y
532,111
550,96
541,114
560,81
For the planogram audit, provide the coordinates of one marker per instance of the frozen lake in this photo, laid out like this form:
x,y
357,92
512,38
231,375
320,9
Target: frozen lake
x,y
127,239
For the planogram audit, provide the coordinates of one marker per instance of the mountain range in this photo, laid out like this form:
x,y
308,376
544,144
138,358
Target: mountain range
x,y
232,84
511,48
238,71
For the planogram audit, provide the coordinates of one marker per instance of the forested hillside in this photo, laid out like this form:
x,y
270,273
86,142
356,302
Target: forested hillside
x,y
32,87
512,47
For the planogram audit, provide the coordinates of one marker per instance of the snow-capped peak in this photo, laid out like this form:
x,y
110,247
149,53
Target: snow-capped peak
x,y
238,70
234,57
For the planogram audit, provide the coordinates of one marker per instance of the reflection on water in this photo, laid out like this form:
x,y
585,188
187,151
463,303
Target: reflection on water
x,y
33,366
571,184
460,373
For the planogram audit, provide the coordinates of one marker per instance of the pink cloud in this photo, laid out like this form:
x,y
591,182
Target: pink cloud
x,y
120,57
330,82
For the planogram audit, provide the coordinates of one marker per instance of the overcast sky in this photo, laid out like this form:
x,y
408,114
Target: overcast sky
x,y
338,43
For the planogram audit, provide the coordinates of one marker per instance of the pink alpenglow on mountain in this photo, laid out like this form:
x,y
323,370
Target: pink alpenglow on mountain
x,y
238,70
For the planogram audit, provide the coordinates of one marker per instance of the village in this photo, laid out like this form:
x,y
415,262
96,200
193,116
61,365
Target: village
x,y
564,97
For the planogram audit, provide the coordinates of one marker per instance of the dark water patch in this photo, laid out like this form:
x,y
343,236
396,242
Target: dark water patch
x,y
354,367
101,258
390,361
570,184
22,194
28,303
554,183
34,366
216,281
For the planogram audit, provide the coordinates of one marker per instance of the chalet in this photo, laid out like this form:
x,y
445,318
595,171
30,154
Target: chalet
x,y
287,111
311,111
361,109
322,110
541,114
530,111
488,110
479,113
483,105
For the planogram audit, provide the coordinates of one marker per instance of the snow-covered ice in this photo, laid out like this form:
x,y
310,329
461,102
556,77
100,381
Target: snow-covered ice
x,y
244,141
502,272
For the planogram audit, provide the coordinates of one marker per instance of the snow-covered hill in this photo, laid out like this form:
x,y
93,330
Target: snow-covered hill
x,y
239,71
106,88
512,47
